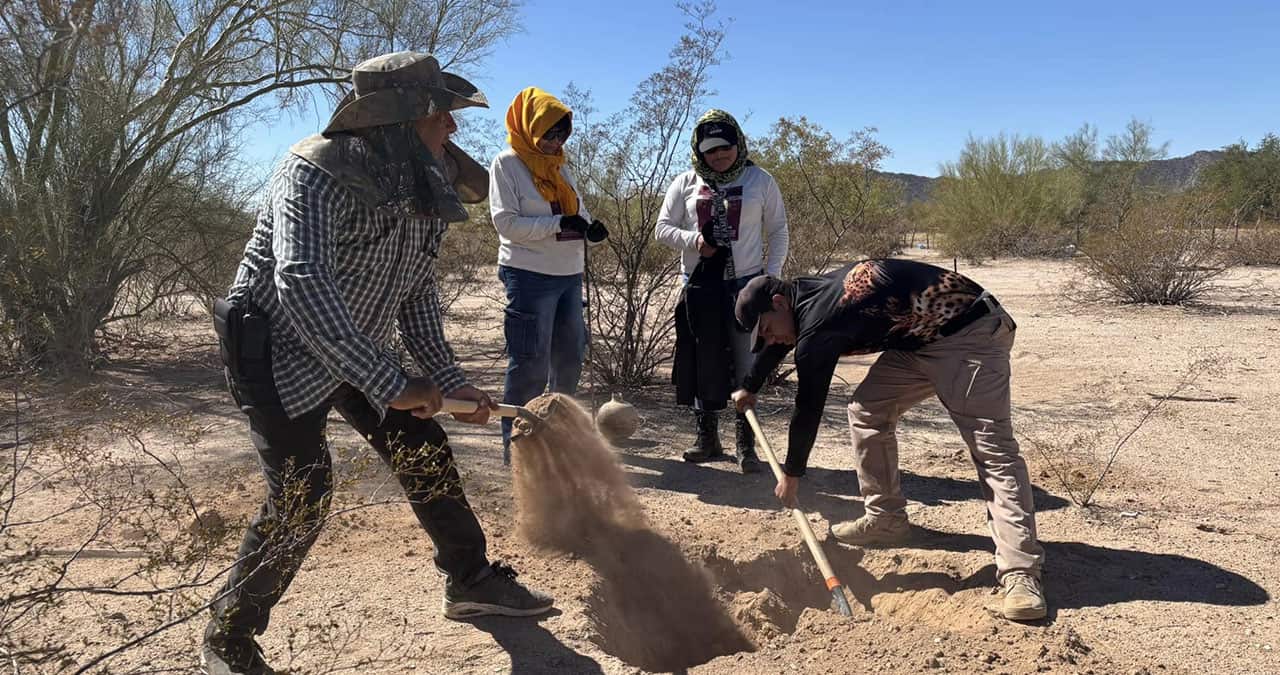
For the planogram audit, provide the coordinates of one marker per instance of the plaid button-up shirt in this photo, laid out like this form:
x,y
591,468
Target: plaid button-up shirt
x,y
335,277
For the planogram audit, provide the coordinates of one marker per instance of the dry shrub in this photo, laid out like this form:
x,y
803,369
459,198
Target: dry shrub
x,y
1159,253
1259,246
467,259
1082,459
839,205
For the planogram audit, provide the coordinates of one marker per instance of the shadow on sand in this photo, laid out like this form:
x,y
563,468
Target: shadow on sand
x,y
827,491
533,648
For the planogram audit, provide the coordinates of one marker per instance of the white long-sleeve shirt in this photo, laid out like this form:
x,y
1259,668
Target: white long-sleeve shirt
x,y
755,213
529,236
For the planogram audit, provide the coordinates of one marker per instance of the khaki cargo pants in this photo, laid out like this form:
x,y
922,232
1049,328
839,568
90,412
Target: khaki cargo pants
x,y
969,373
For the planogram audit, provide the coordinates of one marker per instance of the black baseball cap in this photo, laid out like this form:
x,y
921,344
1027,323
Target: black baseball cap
x,y
755,299
713,135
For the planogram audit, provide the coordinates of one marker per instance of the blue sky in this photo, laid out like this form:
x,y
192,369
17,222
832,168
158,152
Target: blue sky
x,y
926,74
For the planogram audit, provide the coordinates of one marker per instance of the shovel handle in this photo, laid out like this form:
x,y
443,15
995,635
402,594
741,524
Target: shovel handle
x,y
453,405
806,530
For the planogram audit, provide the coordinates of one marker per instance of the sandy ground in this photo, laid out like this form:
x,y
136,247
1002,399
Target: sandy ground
x,y
1174,569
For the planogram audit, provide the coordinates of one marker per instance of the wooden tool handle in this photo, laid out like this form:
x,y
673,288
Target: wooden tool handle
x,y
806,530
453,405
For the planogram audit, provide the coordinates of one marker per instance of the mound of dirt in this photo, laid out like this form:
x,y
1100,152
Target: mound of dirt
x,y
649,606
764,613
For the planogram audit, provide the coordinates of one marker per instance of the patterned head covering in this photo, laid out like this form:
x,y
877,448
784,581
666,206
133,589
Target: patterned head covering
x,y
710,118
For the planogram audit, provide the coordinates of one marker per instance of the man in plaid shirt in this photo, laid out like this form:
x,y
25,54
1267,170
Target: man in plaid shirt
x,y
344,250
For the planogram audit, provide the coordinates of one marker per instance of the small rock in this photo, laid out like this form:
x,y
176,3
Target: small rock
x,y
1266,648
932,662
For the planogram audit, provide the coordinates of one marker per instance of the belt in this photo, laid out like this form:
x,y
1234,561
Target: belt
x,y
984,305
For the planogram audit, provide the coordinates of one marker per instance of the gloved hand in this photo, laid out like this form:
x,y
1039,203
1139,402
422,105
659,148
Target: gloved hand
x,y
597,232
574,223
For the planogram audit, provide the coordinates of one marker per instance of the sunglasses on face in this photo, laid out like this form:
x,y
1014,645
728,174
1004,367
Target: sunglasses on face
x,y
557,134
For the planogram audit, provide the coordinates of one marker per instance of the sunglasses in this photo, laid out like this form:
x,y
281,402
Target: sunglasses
x,y
557,134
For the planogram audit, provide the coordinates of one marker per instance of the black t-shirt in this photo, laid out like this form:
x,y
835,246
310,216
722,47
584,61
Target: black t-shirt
x,y
865,307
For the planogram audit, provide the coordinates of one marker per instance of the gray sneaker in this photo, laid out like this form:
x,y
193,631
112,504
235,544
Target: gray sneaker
x,y
1021,597
870,531
230,654
495,592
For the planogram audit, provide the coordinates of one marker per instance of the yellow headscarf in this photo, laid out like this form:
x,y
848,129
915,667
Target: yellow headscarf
x,y
532,114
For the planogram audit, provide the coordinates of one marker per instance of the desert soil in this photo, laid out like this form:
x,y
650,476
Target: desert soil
x,y
1173,569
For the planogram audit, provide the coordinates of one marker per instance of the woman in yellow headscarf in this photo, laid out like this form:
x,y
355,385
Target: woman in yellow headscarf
x,y
543,228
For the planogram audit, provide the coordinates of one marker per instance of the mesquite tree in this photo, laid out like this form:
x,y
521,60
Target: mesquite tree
x,y
119,180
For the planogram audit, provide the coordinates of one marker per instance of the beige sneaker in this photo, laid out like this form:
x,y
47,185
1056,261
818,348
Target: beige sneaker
x,y
870,530
1022,597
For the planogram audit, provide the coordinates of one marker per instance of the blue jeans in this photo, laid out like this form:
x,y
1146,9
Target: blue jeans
x,y
546,337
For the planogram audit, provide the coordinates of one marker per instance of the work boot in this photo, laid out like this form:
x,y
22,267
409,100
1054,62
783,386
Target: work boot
x,y
494,591
1022,597
872,530
706,447
746,446
227,653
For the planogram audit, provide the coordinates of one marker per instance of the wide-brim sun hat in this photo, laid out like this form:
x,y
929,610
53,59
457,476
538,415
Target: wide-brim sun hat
x,y
401,87
406,86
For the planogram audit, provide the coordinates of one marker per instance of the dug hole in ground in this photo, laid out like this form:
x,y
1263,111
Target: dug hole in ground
x,y
652,608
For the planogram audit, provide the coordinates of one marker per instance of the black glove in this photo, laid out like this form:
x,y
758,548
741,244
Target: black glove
x,y
574,223
597,232
708,236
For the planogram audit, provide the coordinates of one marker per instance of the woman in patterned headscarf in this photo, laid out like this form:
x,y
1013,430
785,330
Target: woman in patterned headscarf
x,y
721,215
542,224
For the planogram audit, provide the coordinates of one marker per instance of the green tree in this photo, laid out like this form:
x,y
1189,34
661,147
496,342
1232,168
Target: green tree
x,y
1003,196
838,205
1106,177
1247,180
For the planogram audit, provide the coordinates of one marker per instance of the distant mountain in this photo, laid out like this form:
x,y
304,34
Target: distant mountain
x,y
914,188
1177,173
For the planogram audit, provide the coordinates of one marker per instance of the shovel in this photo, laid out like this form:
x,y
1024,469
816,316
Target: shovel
x,y
453,405
833,583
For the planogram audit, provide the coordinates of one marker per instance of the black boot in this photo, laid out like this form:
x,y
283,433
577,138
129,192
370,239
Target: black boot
x,y
706,448
227,653
747,446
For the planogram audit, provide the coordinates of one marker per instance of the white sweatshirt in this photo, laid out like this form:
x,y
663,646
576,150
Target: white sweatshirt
x,y
755,212
529,233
